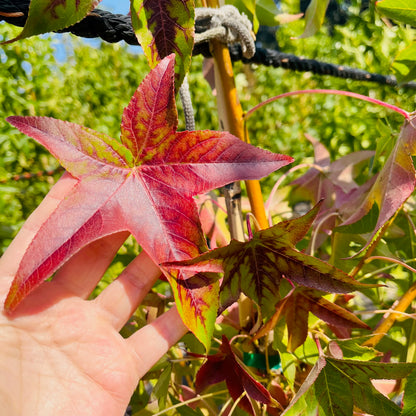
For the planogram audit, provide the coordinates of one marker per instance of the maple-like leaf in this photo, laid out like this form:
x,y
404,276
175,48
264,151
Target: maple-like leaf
x,y
52,15
225,366
256,267
295,307
163,27
144,184
335,177
334,183
339,385
394,184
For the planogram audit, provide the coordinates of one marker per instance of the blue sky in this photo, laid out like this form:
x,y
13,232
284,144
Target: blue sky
x,y
115,6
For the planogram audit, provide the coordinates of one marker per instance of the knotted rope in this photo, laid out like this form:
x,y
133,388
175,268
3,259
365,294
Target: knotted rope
x,y
117,27
226,25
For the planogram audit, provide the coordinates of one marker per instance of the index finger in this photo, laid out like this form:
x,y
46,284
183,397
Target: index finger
x,y
9,262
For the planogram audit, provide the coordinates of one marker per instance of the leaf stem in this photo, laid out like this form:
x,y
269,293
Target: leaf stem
x,y
281,179
318,228
399,110
194,399
400,307
372,246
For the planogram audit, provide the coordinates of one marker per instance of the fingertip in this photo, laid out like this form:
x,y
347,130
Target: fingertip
x,y
151,342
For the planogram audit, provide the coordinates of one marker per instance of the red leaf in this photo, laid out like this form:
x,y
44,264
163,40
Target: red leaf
x,y
334,183
224,366
393,185
297,304
144,185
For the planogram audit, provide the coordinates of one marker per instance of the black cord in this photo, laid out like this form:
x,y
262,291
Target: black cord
x,y
117,27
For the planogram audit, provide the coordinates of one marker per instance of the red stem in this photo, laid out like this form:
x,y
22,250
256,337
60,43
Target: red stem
x,y
399,110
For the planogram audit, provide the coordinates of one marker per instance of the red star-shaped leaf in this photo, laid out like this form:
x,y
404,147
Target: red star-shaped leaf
x,y
224,366
144,184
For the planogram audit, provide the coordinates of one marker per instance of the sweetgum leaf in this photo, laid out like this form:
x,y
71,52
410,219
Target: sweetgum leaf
x,y
401,10
256,267
345,383
305,391
52,15
297,313
224,366
163,27
198,306
395,182
144,185
339,385
334,183
295,307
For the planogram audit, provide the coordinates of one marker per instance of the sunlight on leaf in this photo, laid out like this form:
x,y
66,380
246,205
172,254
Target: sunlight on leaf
x,y
144,185
401,10
52,15
339,385
393,185
163,27
404,64
314,17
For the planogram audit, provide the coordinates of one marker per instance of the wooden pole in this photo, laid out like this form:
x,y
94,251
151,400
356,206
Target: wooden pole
x,y
231,115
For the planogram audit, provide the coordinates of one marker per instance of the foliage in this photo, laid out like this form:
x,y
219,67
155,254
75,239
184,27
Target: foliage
x,y
165,27
305,263
143,171
49,15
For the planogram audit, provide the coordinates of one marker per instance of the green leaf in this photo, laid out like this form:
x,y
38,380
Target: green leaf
x,y
267,11
305,391
401,10
332,393
339,385
364,225
409,398
162,386
314,17
198,307
52,15
305,406
163,27
404,65
353,350
344,383
140,398
184,410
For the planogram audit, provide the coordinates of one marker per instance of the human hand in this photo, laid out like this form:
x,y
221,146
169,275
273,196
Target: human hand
x,y
61,354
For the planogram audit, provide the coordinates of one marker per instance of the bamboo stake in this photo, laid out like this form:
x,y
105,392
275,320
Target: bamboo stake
x,y
388,322
231,114
231,118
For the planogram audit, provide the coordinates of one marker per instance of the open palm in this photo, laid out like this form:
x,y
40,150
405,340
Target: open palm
x,y
61,354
